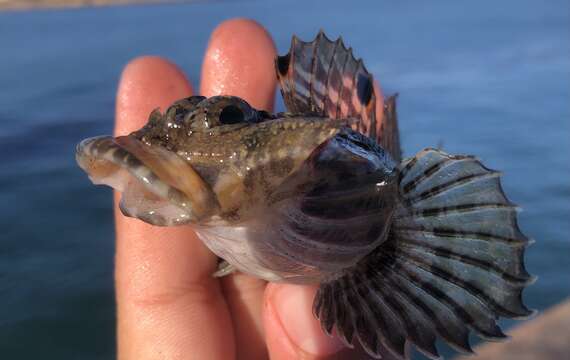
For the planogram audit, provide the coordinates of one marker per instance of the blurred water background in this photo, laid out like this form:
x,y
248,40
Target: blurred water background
x,y
487,78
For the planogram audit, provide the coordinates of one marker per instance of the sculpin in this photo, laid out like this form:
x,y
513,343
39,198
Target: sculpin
x,y
404,250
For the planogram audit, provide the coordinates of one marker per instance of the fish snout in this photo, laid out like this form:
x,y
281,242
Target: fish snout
x,y
157,185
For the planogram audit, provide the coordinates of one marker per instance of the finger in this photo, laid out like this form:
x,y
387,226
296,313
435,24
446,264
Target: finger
x,y
168,305
239,61
292,331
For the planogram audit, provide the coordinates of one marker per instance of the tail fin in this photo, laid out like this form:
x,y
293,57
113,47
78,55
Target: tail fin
x,y
453,263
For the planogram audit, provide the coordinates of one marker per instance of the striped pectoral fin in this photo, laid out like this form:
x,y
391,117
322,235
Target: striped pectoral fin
x,y
323,77
379,313
458,225
453,263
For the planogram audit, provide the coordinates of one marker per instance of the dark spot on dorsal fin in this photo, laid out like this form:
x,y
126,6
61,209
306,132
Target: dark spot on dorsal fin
x,y
364,88
283,64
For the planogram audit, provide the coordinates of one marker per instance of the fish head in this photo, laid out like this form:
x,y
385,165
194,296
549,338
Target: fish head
x,y
203,160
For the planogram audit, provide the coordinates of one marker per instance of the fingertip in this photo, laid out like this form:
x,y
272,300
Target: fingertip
x,y
244,296
239,61
291,328
146,83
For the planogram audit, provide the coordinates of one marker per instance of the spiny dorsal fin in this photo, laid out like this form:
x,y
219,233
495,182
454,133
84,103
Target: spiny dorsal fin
x,y
323,77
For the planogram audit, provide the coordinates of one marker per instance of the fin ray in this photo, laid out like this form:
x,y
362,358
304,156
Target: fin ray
x,y
472,260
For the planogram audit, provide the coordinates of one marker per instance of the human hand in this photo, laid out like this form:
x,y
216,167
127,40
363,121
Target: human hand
x,y
168,304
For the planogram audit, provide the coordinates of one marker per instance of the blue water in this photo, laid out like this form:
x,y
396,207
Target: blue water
x,y
477,77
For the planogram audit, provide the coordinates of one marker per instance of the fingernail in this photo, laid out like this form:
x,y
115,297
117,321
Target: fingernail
x,y
293,304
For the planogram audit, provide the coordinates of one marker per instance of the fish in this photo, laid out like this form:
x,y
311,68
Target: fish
x,y
404,250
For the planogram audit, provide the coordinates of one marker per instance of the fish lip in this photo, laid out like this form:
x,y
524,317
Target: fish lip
x,y
102,151
106,149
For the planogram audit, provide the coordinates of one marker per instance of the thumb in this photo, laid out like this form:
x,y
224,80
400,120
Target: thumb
x,y
292,331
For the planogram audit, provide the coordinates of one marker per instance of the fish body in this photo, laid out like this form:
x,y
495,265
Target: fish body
x,y
404,250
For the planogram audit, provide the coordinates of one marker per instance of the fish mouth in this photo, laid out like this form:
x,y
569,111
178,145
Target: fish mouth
x,y
157,185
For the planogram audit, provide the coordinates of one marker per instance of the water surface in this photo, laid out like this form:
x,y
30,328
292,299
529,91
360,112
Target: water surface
x,y
480,77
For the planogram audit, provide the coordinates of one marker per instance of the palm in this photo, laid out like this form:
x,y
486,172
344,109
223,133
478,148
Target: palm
x,y
169,305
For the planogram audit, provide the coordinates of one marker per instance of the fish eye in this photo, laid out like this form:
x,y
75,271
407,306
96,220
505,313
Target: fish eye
x,y
220,110
231,114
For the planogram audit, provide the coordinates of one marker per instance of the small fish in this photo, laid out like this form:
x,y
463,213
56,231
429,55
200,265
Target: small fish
x,y
403,251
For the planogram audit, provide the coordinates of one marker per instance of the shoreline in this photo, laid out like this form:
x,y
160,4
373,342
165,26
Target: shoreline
x,y
22,5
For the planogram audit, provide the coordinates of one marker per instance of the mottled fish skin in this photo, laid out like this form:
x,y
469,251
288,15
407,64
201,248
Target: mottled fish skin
x,y
405,251
243,161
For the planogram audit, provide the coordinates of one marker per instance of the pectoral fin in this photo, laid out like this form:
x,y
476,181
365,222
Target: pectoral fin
x,y
453,263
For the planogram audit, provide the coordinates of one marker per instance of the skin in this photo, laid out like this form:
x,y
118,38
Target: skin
x,y
168,304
